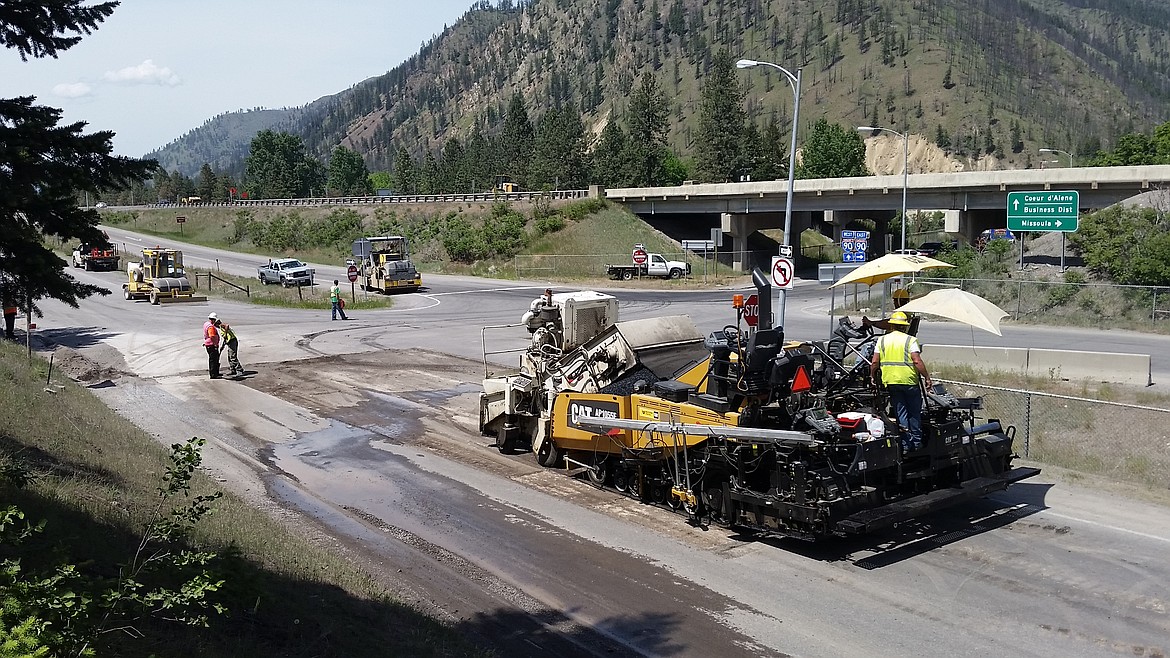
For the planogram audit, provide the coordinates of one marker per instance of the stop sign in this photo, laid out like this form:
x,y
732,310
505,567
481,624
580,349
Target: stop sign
x,y
639,257
751,310
352,273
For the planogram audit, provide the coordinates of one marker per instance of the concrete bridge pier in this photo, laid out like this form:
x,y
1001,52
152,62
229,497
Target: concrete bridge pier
x,y
741,226
839,219
970,223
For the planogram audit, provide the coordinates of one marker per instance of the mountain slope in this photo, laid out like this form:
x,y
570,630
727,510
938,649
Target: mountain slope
x,y
984,78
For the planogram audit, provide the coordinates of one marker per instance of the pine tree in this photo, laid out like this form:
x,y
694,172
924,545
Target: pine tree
x,y
718,144
646,148
559,161
516,141
205,185
405,174
608,166
45,166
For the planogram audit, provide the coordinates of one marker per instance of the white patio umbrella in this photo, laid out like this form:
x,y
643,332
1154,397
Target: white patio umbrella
x,y
959,305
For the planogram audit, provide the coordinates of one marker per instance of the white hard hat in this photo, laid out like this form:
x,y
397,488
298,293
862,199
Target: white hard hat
x,y
212,316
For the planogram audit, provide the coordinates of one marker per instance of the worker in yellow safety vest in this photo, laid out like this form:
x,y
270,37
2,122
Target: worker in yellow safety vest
x,y
898,357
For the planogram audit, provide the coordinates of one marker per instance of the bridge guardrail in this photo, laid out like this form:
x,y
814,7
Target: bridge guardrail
x,y
556,195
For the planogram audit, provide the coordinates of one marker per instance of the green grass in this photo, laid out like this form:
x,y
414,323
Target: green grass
x,y
95,480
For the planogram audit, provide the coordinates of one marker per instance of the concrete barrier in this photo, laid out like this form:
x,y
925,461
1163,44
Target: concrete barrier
x,y
1114,367
1007,359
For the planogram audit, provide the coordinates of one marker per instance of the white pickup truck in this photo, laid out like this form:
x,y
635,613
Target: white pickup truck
x,y
655,265
286,272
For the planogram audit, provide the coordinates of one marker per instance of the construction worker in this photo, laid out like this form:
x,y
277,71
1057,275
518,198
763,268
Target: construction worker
x,y
211,343
231,345
10,311
335,299
899,358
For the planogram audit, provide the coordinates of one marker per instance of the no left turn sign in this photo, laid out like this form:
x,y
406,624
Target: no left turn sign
x,y
782,271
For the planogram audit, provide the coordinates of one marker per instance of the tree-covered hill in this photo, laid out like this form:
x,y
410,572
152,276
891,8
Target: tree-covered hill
x,y
980,78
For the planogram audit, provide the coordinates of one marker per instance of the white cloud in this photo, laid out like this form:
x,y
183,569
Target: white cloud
x,y
72,90
146,73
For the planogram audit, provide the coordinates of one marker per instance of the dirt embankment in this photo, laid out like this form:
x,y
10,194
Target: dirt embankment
x,y
884,156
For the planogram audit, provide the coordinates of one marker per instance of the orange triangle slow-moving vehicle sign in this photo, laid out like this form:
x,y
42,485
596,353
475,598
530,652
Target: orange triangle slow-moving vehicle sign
x,y
801,382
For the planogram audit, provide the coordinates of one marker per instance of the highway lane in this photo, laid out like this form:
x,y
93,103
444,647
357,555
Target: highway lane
x,y
1038,570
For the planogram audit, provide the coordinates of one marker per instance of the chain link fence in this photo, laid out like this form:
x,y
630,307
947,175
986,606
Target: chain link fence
x,y
1086,303
1123,442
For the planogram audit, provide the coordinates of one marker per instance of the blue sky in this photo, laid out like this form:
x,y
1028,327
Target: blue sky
x,y
158,68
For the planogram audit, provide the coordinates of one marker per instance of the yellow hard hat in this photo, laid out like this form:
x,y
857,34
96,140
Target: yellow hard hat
x,y
901,293
899,318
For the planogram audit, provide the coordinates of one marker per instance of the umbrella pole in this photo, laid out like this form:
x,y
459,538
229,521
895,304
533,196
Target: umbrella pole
x,y
832,309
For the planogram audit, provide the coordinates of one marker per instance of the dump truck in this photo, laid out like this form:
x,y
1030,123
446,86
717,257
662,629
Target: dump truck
x,y
96,256
739,428
385,264
160,278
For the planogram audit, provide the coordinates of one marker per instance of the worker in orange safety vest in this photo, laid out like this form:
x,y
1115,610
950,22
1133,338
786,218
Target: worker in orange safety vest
x,y
211,343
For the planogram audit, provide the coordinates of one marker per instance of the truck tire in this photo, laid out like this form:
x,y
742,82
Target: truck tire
x,y
675,273
88,265
627,275
154,297
76,265
126,294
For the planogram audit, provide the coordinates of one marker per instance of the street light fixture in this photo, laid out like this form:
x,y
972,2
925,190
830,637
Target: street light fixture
x,y
905,170
794,82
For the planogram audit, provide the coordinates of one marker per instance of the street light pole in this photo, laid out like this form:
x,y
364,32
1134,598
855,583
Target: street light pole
x,y
905,170
1071,163
794,82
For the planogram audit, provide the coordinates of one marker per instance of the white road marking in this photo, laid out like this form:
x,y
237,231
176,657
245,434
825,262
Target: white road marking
x,y
1077,519
472,292
1106,526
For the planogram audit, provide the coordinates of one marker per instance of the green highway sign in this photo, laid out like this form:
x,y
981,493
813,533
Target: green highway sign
x,y
1043,211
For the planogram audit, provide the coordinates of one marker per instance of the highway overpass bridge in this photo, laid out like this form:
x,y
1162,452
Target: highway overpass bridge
x,y
972,201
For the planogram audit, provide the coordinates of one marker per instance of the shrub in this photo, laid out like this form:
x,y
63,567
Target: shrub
x,y
579,210
503,232
120,217
242,226
551,224
463,243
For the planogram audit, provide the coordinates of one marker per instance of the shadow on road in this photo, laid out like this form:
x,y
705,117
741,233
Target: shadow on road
x,y
74,337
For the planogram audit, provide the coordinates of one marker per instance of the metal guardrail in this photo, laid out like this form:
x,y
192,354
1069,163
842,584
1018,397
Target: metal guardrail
x,y
247,290
377,200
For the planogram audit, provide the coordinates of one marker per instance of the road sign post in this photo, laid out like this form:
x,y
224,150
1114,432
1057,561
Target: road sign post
x,y
180,220
1044,211
751,310
351,273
